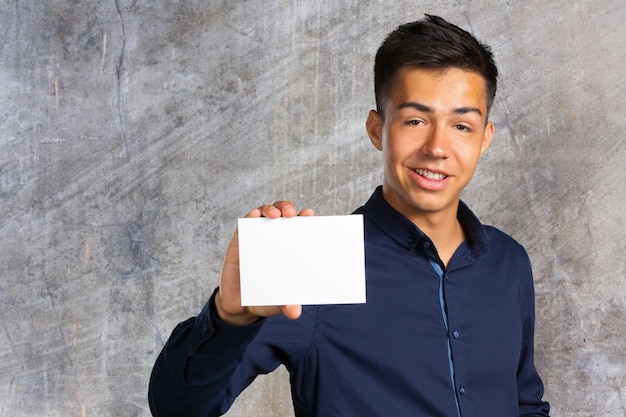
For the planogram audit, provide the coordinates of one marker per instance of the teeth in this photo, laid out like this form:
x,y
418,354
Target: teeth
x,y
429,174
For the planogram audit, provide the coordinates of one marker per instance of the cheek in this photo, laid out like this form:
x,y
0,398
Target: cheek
x,y
395,152
393,161
469,160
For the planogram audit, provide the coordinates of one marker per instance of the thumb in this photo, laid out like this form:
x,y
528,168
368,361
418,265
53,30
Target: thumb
x,y
292,311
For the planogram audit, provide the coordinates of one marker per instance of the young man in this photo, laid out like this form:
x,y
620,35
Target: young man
x,y
448,326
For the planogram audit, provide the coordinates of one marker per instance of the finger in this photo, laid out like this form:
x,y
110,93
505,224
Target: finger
x,y
254,213
307,212
292,311
278,209
269,211
287,208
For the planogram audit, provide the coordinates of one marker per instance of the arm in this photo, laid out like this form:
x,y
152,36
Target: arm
x,y
196,366
530,386
199,371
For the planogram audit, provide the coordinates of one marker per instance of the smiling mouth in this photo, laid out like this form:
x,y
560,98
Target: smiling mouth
x,y
430,175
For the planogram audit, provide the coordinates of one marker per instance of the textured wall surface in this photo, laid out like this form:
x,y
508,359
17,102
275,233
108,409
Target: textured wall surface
x,y
134,133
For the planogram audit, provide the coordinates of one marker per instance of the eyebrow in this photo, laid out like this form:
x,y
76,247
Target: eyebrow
x,y
424,108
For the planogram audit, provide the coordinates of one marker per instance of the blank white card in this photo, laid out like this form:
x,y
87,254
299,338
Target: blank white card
x,y
302,260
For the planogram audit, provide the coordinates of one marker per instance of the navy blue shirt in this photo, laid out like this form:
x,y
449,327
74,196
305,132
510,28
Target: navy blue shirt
x,y
430,341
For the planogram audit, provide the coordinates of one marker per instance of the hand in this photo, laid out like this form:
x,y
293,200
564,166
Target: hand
x,y
228,298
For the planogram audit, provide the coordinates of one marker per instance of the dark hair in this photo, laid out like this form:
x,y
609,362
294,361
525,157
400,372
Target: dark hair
x,y
434,44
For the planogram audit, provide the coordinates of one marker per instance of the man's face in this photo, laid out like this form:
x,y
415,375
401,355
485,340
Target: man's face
x,y
433,134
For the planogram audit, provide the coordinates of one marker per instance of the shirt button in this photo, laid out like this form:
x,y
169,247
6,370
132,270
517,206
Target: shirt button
x,y
456,334
462,390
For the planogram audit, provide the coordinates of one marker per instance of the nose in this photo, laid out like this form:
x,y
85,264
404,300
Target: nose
x,y
436,143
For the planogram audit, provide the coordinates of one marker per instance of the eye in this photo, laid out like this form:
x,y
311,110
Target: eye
x,y
415,122
463,128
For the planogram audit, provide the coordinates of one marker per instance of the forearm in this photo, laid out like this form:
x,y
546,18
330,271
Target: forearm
x,y
196,365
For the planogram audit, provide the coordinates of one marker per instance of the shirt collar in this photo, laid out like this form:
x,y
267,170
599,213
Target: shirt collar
x,y
405,233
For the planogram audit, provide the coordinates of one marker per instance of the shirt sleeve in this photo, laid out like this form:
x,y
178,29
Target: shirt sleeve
x,y
193,375
530,386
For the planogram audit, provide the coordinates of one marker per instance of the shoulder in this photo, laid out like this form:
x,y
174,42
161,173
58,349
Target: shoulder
x,y
503,245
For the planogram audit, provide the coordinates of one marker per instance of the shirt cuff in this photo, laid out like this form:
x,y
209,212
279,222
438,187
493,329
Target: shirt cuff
x,y
225,337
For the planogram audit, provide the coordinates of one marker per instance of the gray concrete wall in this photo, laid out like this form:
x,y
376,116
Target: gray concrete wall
x,y
134,133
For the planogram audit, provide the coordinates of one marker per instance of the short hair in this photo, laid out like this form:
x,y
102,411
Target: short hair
x,y
433,44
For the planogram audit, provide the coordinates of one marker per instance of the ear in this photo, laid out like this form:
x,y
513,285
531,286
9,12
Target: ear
x,y
487,136
374,126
